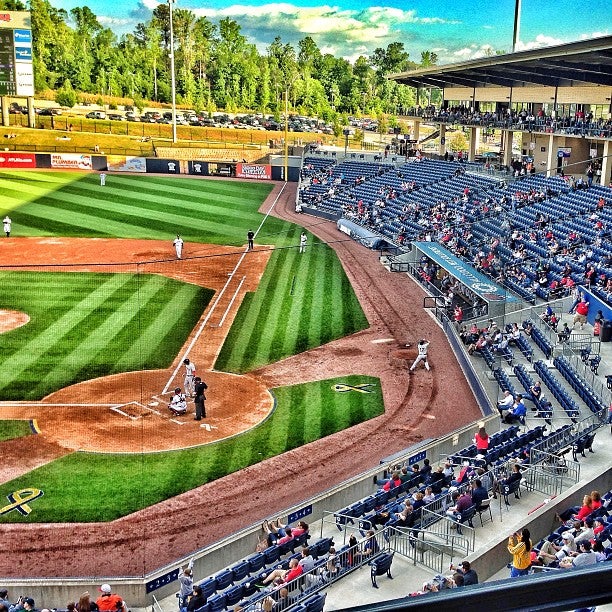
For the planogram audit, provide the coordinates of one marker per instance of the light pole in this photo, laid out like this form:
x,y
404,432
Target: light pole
x,y
173,80
286,132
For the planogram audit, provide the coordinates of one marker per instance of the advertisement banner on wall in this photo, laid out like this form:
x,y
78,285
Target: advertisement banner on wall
x,y
163,166
254,171
74,161
17,160
197,167
126,163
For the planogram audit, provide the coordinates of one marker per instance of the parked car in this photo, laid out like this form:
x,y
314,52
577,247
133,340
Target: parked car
x,y
47,112
116,117
130,116
96,115
16,109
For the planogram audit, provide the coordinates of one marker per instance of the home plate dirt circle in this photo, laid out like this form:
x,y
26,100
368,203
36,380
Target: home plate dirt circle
x,y
130,415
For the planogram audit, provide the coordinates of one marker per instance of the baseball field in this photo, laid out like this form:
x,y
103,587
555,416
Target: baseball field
x,y
98,315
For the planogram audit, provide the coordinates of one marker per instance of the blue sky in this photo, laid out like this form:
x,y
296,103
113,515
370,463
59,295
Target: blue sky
x,y
455,29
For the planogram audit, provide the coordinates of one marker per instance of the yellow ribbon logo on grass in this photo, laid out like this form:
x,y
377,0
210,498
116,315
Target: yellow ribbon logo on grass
x,y
20,500
362,388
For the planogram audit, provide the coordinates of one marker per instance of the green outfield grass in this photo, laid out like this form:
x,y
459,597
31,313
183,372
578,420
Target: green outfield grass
x,y
14,429
73,204
87,325
72,484
303,301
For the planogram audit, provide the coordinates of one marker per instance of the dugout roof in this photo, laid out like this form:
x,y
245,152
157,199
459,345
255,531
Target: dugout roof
x,y
587,62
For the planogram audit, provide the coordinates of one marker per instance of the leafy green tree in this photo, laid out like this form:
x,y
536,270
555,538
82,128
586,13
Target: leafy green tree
x,y
65,95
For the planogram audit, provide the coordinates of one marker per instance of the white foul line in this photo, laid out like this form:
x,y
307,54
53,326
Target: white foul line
x,y
229,306
218,298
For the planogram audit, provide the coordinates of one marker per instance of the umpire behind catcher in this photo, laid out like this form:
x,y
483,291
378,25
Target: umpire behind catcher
x,y
200,387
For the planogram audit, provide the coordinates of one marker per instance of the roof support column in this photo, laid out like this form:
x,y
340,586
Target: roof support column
x,y
416,129
442,150
4,101
606,163
551,160
508,137
474,140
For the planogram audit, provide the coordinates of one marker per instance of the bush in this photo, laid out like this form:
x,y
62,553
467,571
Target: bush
x,y
66,96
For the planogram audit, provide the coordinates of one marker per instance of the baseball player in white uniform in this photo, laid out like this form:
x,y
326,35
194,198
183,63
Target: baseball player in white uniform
x,y
190,369
102,179
303,240
178,246
7,226
422,356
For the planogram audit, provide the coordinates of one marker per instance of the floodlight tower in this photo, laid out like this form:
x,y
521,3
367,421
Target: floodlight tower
x,y
172,77
517,25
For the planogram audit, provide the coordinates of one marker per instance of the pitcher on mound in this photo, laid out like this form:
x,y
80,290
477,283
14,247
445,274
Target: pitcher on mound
x,y
422,356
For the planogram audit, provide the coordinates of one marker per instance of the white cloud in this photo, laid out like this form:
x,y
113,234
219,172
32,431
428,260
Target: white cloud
x,y
115,22
541,40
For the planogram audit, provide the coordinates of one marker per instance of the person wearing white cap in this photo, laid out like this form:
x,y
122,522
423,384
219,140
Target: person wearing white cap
x,y
109,601
550,553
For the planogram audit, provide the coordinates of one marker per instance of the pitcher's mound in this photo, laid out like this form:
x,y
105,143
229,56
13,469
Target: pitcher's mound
x,y
12,319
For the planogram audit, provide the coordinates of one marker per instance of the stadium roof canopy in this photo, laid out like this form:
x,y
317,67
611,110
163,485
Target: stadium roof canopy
x,y
588,62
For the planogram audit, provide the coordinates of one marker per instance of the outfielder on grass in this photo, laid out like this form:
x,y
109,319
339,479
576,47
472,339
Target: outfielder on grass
x,y
422,356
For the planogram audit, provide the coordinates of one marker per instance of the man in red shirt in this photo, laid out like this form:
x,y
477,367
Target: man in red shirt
x,y
109,601
281,576
582,310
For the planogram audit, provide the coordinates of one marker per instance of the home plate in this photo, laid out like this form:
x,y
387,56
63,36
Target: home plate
x,y
208,427
383,340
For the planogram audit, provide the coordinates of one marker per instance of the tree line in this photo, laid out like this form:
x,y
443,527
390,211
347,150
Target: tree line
x,y
215,65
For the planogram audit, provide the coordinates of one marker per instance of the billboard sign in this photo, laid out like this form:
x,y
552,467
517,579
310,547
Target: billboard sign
x,y
126,163
16,72
74,161
17,160
254,171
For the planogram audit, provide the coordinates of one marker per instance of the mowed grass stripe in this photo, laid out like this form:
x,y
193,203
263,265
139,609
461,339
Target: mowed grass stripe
x,y
270,343
155,330
135,213
167,202
14,365
312,326
296,338
238,355
103,332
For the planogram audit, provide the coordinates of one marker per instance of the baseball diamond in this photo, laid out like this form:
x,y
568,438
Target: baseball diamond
x,y
274,375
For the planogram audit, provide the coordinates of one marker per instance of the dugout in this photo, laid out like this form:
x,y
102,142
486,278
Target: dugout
x,y
474,286
361,234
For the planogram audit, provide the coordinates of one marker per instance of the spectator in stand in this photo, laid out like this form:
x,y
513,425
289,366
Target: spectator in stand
x,y
85,604
576,513
479,493
197,599
465,474
517,413
109,601
306,561
535,392
389,483
582,311
283,576
4,601
551,553
583,557
481,440
509,480
185,585
465,569
519,546
425,471
565,333
462,503
368,547
505,404
276,531
436,479
23,603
